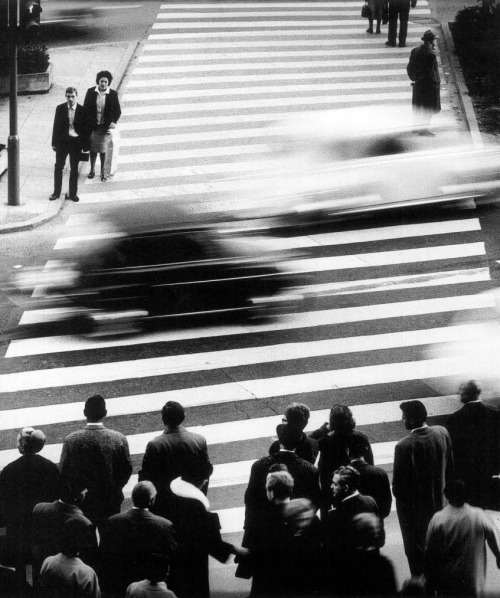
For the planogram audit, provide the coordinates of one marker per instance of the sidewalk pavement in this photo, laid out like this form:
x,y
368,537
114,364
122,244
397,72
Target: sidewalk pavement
x,y
78,65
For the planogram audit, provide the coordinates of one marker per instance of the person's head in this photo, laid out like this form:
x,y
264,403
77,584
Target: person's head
x,y
469,391
456,492
357,450
288,437
279,486
75,533
172,414
297,416
429,37
414,414
30,441
95,409
103,80
71,95
143,495
345,482
74,490
156,567
299,513
367,531
341,419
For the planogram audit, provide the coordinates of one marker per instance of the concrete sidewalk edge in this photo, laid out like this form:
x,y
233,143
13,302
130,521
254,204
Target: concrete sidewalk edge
x,y
52,213
466,105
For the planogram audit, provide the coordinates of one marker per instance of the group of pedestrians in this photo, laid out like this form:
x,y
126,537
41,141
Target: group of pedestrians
x,y
314,509
84,128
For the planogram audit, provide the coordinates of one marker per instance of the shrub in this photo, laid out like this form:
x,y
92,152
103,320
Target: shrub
x,y
32,56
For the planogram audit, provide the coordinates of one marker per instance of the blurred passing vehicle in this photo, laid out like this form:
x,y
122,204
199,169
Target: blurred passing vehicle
x,y
159,266
350,161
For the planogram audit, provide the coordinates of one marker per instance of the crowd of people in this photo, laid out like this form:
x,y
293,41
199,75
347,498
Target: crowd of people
x,y
314,509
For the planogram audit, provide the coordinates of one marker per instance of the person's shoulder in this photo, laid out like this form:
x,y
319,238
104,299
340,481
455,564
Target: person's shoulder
x,y
438,430
161,521
45,506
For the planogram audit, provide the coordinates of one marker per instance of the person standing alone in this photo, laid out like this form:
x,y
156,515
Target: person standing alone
x,y
423,70
399,9
70,135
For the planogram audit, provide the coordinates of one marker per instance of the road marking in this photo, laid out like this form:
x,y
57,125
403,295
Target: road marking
x,y
256,24
260,5
206,56
203,152
332,32
284,12
265,89
182,81
265,103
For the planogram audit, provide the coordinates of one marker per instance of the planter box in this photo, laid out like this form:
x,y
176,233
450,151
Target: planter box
x,y
34,83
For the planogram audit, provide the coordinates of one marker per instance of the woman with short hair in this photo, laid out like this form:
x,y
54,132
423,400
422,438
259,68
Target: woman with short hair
x,y
104,110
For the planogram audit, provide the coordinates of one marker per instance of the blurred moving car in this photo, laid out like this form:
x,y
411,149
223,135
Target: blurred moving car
x,y
344,162
157,266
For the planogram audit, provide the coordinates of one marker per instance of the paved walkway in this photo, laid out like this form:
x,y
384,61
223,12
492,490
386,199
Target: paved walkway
x,y
72,66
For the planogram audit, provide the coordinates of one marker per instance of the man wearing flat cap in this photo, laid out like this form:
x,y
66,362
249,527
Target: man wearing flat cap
x,y
423,464
423,70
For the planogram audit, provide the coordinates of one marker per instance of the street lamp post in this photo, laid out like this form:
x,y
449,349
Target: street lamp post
x,y
13,140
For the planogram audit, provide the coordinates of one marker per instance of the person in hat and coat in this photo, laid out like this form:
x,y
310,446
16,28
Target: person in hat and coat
x,y
423,464
25,482
424,72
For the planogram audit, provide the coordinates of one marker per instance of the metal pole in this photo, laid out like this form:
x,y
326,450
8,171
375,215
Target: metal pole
x,y
13,141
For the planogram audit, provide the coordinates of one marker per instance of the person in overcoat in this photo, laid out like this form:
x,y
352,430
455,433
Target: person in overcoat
x,y
129,538
423,70
70,135
423,464
198,535
377,8
25,482
104,110
175,452
338,527
475,436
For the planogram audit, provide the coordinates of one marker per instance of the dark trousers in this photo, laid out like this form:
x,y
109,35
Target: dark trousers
x,y
414,530
401,10
71,146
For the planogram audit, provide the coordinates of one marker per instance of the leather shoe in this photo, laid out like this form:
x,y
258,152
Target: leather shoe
x,y
91,174
75,198
54,196
389,44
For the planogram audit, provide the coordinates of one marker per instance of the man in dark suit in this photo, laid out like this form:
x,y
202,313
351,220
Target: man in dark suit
x,y
373,480
70,135
399,9
305,476
49,519
475,436
172,454
338,526
129,538
423,463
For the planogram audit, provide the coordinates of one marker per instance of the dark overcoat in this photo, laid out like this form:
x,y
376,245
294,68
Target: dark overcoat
x,y
475,436
424,72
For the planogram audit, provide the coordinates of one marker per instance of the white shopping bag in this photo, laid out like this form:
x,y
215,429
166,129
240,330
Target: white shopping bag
x,y
112,151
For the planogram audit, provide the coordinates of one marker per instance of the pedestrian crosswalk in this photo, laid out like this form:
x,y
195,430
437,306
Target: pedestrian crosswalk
x,y
204,103
213,81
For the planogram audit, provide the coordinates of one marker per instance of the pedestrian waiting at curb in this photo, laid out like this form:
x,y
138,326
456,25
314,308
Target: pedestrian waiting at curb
x,y
104,110
399,9
423,70
70,136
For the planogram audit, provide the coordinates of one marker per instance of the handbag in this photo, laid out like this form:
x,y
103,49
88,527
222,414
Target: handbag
x,y
365,11
84,157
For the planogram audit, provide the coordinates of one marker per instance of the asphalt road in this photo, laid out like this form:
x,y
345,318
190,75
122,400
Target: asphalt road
x,y
69,23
